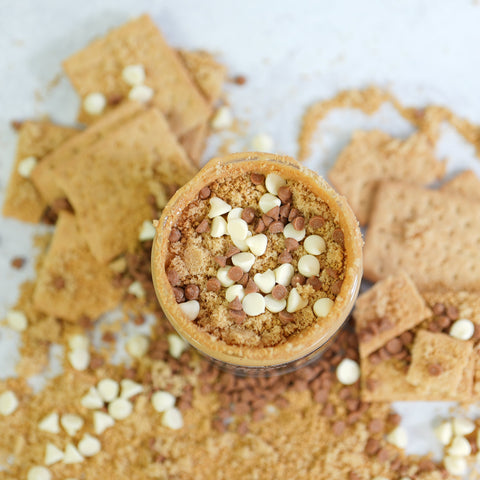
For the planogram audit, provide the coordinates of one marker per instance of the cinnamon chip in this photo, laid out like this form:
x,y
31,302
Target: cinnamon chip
x,y
248,214
213,285
276,227
235,274
316,222
203,226
285,257
279,292
284,194
204,193
175,235
192,292
257,178
298,223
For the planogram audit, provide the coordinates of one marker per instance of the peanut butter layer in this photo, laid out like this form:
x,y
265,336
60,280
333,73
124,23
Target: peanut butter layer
x,y
195,258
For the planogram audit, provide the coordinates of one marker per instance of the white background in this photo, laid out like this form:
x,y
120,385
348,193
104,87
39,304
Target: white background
x,y
292,53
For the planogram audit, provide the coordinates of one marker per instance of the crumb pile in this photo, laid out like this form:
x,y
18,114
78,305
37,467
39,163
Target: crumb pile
x,y
168,413
256,259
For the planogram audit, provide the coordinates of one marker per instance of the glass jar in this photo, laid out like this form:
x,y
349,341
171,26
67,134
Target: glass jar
x,y
299,349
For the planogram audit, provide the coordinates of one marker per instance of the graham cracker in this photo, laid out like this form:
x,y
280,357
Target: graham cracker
x,y
450,354
109,184
36,139
433,236
394,303
373,156
194,141
43,175
98,68
72,283
466,183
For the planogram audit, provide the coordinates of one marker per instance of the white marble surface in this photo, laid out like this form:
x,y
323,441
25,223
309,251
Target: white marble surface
x,y
292,53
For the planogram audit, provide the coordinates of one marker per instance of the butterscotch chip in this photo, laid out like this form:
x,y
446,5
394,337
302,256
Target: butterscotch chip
x,y
443,322
315,283
232,250
285,316
192,292
173,277
257,178
274,213
284,257
58,282
285,211
175,235
213,285
204,193
237,315
236,304
316,222
406,338
299,223
338,236
372,446
284,194
248,214
235,274
435,369
376,425
244,280
338,427
17,262
298,279
371,384
394,345
291,244
260,227
251,287
279,292
294,213
276,227
267,220
452,312
220,260
203,226
336,287
438,309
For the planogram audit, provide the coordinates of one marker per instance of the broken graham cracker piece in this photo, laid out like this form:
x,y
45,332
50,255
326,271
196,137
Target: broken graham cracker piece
x,y
374,155
438,362
72,283
109,184
465,183
138,42
43,175
432,235
36,139
388,309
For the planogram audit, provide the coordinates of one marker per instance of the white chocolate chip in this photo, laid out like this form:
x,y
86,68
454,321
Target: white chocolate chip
x,y
50,423
78,342
234,213
218,207
72,455
26,166
257,244
290,232
455,465
284,274
237,228
444,432
273,182
8,403
462,426
274,305
89,445
309,266
137,345
120,408
191,309
223,278
79,359
172,418
108,389
136,289
295,302
262,142
463,329
52,454
71,423
218,228
322,307
348,371
253,304
39,473
92,399
222,119
147,231
233,292
314,244
268,201
102,421
141,93
17,320
162,401
130,388
242,244
265,281
133,75
398,437
94,103
244,260
176,345
460,447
